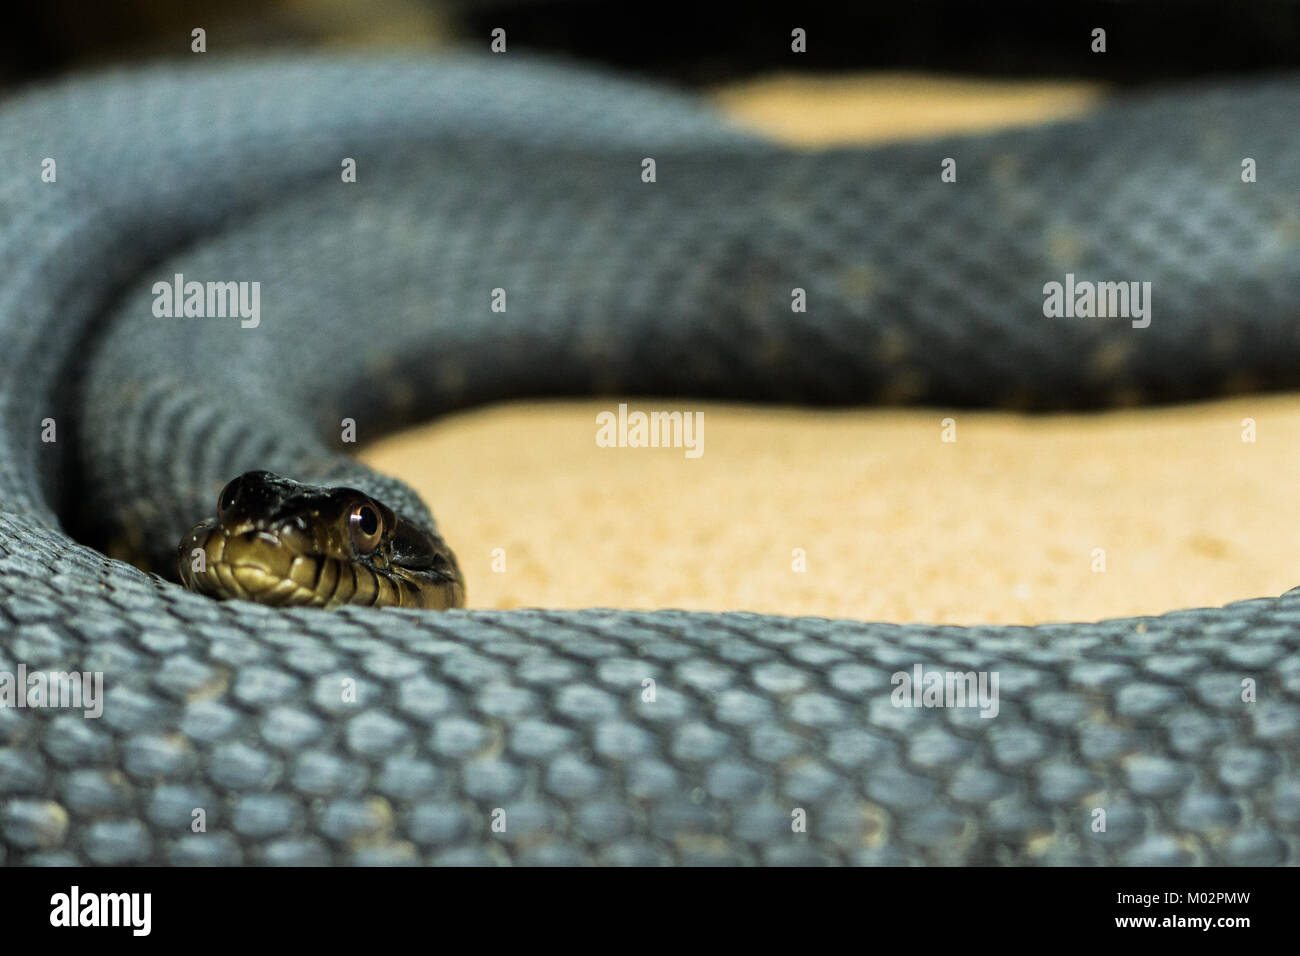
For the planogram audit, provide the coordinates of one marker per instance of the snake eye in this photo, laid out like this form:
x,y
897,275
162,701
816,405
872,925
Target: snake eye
x,y
364,527
226,500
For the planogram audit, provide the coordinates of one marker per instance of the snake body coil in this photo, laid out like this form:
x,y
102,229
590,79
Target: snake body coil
x,y
384,736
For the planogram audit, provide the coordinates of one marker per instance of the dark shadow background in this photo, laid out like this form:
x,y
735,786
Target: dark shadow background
x,y
694,42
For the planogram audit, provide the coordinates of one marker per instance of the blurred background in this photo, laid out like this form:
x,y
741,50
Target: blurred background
x,y
892,524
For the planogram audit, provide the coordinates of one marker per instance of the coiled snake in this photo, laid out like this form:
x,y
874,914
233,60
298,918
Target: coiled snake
x,y
394,735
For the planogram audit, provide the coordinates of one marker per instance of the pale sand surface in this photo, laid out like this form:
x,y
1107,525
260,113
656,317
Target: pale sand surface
x,y
872,108
1000,526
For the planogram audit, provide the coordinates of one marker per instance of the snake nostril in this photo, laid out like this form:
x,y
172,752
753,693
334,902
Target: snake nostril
x,y
257,541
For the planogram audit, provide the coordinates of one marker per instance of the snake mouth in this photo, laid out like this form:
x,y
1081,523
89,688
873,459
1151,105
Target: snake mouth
x,y
253,564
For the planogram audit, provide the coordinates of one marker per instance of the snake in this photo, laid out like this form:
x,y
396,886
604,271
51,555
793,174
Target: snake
x,y
640,245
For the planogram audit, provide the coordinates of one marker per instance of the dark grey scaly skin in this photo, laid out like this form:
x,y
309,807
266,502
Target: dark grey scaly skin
x,y
489,173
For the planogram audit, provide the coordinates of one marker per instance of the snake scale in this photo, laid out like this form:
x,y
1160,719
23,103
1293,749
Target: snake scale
x,y
381,736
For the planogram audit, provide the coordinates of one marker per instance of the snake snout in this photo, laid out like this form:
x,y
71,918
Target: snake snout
x,y
195,552
250,562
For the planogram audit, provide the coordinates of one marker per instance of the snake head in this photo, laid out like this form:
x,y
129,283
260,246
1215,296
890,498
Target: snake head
x,y
281,542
